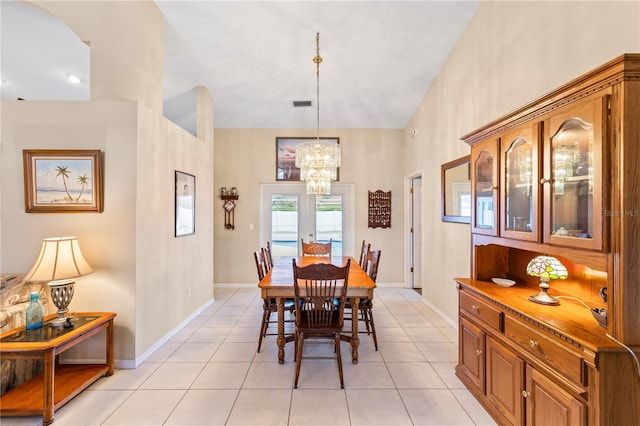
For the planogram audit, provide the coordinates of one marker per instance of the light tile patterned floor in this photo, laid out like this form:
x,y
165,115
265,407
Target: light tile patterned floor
x,y
210,374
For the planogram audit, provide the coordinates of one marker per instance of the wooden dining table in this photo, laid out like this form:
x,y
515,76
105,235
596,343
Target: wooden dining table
x,y
278,284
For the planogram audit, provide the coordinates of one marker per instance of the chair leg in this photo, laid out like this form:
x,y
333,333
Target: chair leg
x,y
365,318
373,327
263,327
300,343
339,360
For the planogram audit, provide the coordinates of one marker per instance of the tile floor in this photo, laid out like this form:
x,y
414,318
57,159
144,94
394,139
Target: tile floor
x,y
210,374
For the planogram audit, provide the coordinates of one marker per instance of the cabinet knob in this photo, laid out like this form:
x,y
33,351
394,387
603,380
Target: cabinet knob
x,y
526,394
475,308
543,181
533,343
478,352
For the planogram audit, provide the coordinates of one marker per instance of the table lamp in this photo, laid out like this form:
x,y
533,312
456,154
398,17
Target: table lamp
x,y
59,263
546,268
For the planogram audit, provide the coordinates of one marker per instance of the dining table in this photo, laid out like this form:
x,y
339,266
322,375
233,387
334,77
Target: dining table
x,y
278,284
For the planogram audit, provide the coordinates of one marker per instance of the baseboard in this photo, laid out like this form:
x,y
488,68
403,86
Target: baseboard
x,y
130,364
441,314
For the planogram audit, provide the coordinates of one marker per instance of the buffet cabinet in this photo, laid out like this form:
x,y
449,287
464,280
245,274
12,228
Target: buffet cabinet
x,y
558,177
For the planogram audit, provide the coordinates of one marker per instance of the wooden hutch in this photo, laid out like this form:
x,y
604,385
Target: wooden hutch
x,y
558,177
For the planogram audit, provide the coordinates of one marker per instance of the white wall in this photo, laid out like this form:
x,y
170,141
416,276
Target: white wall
x,y
371,159
152,280
510,54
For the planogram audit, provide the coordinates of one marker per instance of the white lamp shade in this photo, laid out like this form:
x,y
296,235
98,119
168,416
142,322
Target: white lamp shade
x,y
59,259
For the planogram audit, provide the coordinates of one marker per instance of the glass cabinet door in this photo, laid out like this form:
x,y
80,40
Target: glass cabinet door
x,y
484,185
573,194
519,194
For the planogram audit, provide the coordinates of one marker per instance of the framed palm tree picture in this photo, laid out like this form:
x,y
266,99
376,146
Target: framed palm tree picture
x,y
62,181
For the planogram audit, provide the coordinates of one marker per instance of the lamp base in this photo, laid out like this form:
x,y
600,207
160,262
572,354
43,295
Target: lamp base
x,y
58,322
544,298
61,295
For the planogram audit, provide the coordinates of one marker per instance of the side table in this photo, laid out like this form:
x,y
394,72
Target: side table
x,y
59,383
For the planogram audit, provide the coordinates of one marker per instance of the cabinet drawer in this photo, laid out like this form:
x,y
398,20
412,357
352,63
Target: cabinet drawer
x,y
551,353
476,308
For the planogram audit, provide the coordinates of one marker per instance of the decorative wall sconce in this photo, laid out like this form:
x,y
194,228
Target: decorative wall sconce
x,y
229,205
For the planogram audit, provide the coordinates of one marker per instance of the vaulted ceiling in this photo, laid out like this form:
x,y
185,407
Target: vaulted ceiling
x,y
256,58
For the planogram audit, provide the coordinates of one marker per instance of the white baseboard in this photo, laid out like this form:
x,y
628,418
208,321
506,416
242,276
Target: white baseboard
x,y
130,364
442,315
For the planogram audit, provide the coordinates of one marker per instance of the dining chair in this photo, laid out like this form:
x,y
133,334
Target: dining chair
x,y
363,255
269,305
320,293
316,249
267,255
365,307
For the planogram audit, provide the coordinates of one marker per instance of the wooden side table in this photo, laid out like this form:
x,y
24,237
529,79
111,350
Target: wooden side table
x,y
59,383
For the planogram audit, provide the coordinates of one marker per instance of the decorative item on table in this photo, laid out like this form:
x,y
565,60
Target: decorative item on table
x,y
546,268
318,160
34,313
503,282
59,263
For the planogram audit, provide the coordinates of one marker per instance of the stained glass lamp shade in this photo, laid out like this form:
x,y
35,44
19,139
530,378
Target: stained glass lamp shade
x,y
546,268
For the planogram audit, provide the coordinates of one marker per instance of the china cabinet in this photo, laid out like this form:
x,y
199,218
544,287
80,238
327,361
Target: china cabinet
x,y
484,186
558,177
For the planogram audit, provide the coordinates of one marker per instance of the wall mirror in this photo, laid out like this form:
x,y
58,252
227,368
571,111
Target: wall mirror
x,y
456,190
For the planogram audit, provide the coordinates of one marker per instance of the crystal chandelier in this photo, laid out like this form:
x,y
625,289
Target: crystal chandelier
x,y
318,160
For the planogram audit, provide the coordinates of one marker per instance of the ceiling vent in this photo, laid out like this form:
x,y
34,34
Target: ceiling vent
x,y
301,104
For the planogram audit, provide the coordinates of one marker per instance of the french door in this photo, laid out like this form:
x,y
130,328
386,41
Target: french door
x,y
289,214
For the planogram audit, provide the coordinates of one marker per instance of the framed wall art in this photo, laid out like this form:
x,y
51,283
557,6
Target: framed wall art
x,y
286,169
62,181
185,223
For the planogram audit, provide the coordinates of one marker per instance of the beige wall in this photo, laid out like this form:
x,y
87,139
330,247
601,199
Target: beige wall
x,y
371,159
151,279
510,54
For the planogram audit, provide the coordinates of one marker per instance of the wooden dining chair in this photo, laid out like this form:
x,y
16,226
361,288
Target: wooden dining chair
x,y
316,249
365,307
320,293
363,255
269,305
267,255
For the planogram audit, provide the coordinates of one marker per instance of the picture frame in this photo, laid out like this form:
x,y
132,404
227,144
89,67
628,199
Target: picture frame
x,y
286,169
62,180
455,178
185,204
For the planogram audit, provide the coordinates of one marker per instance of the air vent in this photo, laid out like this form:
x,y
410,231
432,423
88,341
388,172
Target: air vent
x,y
301,104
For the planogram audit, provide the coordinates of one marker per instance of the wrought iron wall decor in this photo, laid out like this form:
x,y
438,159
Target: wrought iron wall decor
x,y
229,206
379,209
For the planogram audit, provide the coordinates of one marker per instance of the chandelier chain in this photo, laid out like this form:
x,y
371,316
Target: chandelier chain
x,y
317,59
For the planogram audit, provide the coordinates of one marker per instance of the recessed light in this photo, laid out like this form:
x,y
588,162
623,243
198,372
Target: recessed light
x,y
73,78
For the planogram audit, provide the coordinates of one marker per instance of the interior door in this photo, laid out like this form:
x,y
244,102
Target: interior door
x,y
416,233
289,214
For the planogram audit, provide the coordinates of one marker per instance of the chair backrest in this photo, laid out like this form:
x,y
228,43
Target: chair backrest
x,y
267,255
363,255
261,264
320,291
373,260
316,249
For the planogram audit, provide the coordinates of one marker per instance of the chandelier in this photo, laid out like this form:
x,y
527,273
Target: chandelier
x,y
318,160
